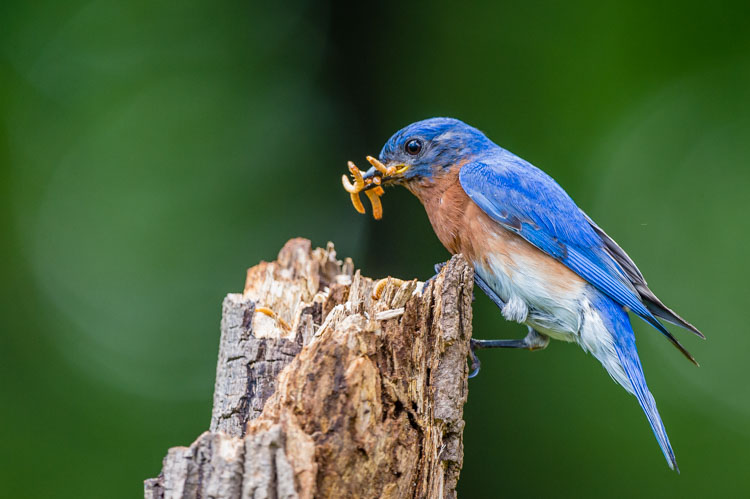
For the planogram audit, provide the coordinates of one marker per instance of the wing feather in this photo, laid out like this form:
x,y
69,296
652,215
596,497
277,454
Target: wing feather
x,y
527,201
652,302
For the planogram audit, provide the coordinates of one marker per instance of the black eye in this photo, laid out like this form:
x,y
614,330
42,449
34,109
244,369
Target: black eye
x,y
413,147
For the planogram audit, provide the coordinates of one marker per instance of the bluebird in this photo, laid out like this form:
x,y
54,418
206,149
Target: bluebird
x,y
536,254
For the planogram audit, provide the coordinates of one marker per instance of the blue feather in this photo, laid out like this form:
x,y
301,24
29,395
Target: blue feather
x,y
616,320
528,202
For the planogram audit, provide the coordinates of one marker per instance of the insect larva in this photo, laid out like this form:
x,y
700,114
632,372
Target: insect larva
x,y
377,291
270,313
377,207
378,165
359,185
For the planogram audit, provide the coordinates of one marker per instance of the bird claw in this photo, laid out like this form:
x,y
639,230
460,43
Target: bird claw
x,y
438,267
475,364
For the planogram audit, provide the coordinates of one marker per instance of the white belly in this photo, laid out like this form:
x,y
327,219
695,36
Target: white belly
x,y
561,309
535,296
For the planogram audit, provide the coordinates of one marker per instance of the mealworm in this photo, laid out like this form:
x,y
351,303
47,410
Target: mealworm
x,y
378,165
377,291
377,206
357,202
270,313
359,185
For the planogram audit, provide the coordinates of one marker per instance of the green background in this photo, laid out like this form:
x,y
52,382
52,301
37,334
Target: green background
x,y
152,151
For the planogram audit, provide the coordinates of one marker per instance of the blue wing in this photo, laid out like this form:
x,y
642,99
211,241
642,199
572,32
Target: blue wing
x,y
525,200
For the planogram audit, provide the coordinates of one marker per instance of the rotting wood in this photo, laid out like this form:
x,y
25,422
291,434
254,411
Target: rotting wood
x,y
341,394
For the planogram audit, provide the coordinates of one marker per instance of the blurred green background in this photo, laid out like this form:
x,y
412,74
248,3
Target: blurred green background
x,y
151,151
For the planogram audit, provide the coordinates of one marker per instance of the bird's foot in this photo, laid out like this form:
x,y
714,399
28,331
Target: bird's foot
x,y
532,341
438,267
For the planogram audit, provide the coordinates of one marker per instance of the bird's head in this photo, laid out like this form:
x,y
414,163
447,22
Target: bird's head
x,y
426,149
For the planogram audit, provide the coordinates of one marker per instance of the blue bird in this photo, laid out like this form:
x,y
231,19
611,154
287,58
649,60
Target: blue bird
x,y
536,254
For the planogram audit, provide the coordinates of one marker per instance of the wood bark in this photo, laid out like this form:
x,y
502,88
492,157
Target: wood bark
x,y
342,394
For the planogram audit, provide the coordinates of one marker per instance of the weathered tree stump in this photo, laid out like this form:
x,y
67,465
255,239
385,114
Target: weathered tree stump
x,y
343,394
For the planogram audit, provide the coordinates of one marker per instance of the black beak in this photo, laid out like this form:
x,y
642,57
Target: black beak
x,y
372,173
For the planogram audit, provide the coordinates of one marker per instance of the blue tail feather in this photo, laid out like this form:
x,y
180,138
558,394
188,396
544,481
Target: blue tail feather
x,y
618,323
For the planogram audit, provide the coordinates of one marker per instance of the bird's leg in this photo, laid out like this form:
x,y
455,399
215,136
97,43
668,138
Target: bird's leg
x,y
532,341
482,284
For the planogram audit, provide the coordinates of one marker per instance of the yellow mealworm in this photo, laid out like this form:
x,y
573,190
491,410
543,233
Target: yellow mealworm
x,y
377,291
357,202
348,187
359,182
378,165
356,188
377,207
270,313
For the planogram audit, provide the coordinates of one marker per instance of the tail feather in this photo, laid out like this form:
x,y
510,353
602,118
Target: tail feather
x,y
617,322
655,305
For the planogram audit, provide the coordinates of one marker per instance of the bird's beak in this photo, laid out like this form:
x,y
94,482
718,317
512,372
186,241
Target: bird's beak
x,y
371,174
388,174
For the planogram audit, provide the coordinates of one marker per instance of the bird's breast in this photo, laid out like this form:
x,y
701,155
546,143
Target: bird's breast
x,y
512,266
449,209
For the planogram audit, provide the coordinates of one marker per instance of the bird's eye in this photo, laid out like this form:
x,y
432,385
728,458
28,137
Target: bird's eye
x,y
413,147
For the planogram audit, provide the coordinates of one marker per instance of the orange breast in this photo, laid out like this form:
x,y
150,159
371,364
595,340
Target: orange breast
x,y
458,222
464,228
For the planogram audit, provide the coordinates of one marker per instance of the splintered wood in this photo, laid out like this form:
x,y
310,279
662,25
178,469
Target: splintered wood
x,y
332,391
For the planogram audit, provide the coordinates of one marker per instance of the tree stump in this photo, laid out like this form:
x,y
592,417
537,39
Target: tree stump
x,y
342,394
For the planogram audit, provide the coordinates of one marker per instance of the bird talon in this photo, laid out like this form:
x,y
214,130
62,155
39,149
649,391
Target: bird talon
x,y
475,364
